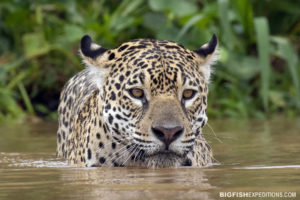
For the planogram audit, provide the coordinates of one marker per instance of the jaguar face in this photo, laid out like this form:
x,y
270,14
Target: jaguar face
x,y
155,96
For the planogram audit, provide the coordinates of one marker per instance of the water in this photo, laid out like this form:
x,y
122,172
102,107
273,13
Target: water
x,y
254,157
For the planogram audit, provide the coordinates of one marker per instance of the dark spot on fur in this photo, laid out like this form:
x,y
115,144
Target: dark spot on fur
x,y
59,138
89,154
121,78
113,96
110,119
65,123
108,106
63,135
203,124
98,136
111,56
122,48
104,128
102,160
116,131
118,86
204,100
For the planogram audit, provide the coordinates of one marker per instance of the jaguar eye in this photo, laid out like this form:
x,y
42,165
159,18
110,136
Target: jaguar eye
x,y
188,94
136,93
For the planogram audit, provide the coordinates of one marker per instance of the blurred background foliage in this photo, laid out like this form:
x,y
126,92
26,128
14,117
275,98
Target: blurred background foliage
x,y
257,75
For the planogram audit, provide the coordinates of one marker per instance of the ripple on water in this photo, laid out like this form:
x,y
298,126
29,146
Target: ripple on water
x,y
21,160
269,167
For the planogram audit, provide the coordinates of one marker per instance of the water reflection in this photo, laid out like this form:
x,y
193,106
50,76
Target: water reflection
x,y
253,156
136,183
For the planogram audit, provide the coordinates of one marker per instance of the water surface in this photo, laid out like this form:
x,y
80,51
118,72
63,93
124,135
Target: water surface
x,y
254,156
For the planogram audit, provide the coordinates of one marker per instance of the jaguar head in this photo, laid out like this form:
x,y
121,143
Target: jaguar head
x,y
153,95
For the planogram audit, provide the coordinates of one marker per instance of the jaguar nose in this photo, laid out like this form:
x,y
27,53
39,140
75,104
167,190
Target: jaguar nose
x,y
167,134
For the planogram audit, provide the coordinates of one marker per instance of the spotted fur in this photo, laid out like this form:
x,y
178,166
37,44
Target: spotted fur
x,y
102,124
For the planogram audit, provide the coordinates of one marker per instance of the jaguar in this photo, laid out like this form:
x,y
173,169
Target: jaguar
x,y
140,104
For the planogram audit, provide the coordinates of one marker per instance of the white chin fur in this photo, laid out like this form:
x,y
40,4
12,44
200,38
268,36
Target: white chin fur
x,y
162,160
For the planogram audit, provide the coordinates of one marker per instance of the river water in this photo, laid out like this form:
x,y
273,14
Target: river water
x,y
254,156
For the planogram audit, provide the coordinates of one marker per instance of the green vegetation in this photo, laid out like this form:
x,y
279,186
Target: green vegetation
x,y
257,75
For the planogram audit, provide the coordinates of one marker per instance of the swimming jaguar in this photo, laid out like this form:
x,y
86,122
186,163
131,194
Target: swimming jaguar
x,y
140,104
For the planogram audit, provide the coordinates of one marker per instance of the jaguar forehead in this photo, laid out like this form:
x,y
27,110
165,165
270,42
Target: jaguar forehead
x,y
87,50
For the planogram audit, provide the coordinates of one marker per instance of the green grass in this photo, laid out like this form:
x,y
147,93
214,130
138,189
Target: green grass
x,y
263,41
257,75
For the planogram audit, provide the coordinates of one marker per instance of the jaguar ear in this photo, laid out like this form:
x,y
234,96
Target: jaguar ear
x,y
209,55
96,60
92,54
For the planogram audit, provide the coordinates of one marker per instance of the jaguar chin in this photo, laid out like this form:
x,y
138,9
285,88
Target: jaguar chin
x,y
164,159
